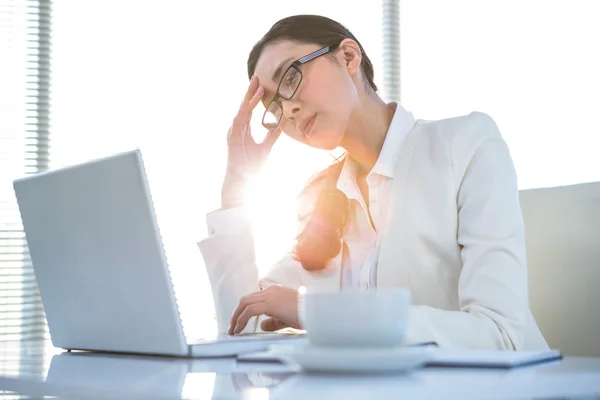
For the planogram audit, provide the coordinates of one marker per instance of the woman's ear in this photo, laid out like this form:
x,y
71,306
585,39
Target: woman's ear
x,y
349,55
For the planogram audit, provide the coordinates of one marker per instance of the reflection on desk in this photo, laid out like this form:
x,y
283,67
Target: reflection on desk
x,y
571,377
137,376
40,370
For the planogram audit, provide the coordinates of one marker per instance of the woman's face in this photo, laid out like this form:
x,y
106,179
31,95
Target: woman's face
x,y
319,111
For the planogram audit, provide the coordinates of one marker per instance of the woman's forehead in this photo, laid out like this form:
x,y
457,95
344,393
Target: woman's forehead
x,y
276,57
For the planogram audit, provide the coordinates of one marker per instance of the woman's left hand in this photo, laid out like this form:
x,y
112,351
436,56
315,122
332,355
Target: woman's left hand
x,y
278,302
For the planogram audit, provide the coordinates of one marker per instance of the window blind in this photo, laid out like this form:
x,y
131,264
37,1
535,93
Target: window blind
x,y
25,33
391,49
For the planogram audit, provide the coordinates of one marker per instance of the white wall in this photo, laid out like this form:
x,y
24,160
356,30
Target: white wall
x,y
532,65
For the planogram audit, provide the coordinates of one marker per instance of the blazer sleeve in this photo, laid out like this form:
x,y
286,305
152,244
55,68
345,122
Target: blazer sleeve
x,y
492,287
228,254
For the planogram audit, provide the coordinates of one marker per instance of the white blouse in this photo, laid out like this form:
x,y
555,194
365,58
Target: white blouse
x,y
453,236
361,239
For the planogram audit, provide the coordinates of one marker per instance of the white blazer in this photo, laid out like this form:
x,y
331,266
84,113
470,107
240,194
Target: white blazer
x,y
454,238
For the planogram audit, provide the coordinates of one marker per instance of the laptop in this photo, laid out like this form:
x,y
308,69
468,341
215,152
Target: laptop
x,y
100,264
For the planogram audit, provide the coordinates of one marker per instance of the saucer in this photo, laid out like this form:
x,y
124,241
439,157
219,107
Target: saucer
x,y
353,360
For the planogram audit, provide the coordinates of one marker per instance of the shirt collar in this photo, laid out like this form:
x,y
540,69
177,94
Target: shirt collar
x,y
402,122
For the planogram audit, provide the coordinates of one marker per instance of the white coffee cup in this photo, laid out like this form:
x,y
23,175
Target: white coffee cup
x,y
354,318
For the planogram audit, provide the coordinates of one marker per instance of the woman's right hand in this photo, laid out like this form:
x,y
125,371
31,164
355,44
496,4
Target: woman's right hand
x,y
245,156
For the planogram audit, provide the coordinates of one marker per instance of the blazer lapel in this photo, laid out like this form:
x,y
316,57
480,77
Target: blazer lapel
x,y
390,271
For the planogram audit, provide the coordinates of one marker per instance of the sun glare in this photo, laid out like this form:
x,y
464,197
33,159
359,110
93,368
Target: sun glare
x,y
272,196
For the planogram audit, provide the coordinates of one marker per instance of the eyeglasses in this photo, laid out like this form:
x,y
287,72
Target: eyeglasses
x,y
288,86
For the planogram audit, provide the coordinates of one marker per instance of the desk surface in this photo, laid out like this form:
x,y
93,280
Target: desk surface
x,y
38,369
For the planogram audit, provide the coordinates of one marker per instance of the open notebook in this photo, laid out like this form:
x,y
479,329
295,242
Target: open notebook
x,y
465,358
474,358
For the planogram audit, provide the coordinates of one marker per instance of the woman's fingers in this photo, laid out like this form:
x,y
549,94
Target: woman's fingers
x,y
252,86
253,102
249,109
251,99
252,310
276,302
244,303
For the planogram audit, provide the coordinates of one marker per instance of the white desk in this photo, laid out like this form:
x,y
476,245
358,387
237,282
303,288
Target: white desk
x,y
37,369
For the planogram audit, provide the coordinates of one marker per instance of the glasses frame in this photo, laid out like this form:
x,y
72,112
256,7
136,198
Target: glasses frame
x,y
295,65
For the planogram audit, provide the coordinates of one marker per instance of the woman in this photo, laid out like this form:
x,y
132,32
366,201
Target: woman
x,y
431,206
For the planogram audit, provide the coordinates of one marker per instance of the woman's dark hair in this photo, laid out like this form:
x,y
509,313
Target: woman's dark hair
x,y
313,29
319,241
